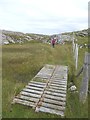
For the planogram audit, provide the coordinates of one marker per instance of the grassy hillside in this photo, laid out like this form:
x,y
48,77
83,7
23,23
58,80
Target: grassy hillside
x,y
22,62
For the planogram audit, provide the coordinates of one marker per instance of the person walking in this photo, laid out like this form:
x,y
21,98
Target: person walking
x,y
53,42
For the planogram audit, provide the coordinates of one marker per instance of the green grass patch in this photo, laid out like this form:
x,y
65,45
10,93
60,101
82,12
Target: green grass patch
x,y
21,62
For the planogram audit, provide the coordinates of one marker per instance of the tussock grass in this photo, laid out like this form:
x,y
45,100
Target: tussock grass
x,y
21,63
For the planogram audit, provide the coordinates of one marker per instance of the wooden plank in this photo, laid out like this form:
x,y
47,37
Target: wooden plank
x,y
58,91
54,97
27,98
34,88
58,79
32,91
60,75
30,94
57,88
40,83
45,72
48,110
55,94
24,102
60,83
60,67
31,84
57,72
43,77
52,106
47,100
57,85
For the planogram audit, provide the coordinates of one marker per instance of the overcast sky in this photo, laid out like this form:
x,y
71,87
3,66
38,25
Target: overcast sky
x,y
43,16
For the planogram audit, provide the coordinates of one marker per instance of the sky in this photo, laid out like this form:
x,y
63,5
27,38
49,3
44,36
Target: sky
x,y
44,16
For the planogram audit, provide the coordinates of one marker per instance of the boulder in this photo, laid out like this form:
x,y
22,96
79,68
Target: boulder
x,y
73,88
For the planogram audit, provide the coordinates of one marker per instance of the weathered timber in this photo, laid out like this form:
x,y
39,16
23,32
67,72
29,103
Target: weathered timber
x,y
48,96
52,106
30,94
36,85
49,110
55,94
34,88
56,102
55,90
22,97
40,83
32,91
24,102
54,97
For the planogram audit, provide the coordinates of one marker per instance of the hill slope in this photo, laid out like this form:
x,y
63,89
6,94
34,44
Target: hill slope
x,y
19,37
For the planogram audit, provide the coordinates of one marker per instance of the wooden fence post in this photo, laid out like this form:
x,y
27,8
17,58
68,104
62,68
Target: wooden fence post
x,y
0,74
76,56
85,79
73,45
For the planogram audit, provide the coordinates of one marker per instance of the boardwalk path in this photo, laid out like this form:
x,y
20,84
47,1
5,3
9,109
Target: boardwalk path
x,y
47,90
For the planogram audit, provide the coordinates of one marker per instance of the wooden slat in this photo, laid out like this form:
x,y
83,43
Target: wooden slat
x,y
43,77
58,82
54,90
27,98
44,74
58,79
48,110
40,83
58,88
32,91
30,94
52,106
60,75
55,94
54,97
24,102
47,100
34,88
57,85
31,84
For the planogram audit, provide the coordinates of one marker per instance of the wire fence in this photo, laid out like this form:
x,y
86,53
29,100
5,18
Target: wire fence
x,y
85,69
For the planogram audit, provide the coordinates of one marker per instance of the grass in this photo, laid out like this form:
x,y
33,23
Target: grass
x,y
21,62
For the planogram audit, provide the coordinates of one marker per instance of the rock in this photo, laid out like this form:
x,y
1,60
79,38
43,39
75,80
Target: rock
x,y
73,88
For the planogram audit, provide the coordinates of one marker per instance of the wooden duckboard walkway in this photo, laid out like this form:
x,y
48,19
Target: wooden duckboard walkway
x,y
48,96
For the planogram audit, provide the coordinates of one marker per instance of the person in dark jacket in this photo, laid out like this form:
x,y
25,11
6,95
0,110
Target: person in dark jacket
x,y
53,42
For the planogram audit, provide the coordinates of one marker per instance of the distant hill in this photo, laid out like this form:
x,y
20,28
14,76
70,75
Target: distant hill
x,y
19,37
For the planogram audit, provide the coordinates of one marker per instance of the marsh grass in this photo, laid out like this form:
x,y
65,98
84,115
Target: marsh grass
x,y
21,62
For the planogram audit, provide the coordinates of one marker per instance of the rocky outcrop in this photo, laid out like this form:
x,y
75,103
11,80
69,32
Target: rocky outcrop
x,y
19,37
82,33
